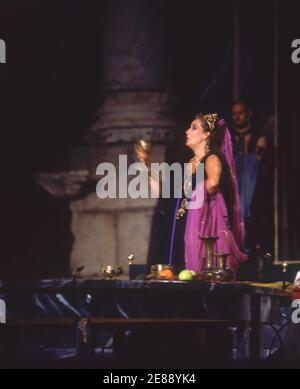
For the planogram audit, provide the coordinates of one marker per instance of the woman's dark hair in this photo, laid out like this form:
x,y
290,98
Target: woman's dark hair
x,y
216,137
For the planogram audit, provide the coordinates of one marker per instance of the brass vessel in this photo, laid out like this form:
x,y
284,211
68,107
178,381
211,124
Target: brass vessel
x,y
222,272
208,269
111,271
215,264
144,145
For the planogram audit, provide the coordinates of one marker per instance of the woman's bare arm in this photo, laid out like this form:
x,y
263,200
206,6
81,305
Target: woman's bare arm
x,y
213,168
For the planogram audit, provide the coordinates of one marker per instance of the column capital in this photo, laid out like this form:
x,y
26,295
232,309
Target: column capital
x,y
127,116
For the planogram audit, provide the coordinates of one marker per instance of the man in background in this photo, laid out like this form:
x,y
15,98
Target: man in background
x,y
254,158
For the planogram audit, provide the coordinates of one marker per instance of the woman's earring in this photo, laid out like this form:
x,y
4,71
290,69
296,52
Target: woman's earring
x,y
207,146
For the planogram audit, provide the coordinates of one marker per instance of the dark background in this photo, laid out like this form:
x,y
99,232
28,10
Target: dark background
x,y
51,87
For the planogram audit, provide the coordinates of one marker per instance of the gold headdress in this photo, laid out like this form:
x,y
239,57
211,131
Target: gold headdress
x,y
211,119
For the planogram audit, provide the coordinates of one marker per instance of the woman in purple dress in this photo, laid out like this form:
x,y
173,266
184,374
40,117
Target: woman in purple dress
x,y
220,215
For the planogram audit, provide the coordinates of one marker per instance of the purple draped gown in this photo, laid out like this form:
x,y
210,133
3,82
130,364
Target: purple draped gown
x,y
212,219
215,218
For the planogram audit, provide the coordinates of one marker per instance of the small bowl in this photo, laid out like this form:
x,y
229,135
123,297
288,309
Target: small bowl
x,y
112,271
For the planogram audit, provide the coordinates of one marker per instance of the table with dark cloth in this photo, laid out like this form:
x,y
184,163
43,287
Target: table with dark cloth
x,y
256,304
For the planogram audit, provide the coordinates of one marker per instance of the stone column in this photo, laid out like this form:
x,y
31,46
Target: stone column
x,y
137,104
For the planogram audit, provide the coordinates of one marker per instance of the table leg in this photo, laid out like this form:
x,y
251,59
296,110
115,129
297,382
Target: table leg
x,y
119,338
256,328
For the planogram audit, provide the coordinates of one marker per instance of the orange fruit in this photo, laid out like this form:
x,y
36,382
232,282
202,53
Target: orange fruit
x,y
166,275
